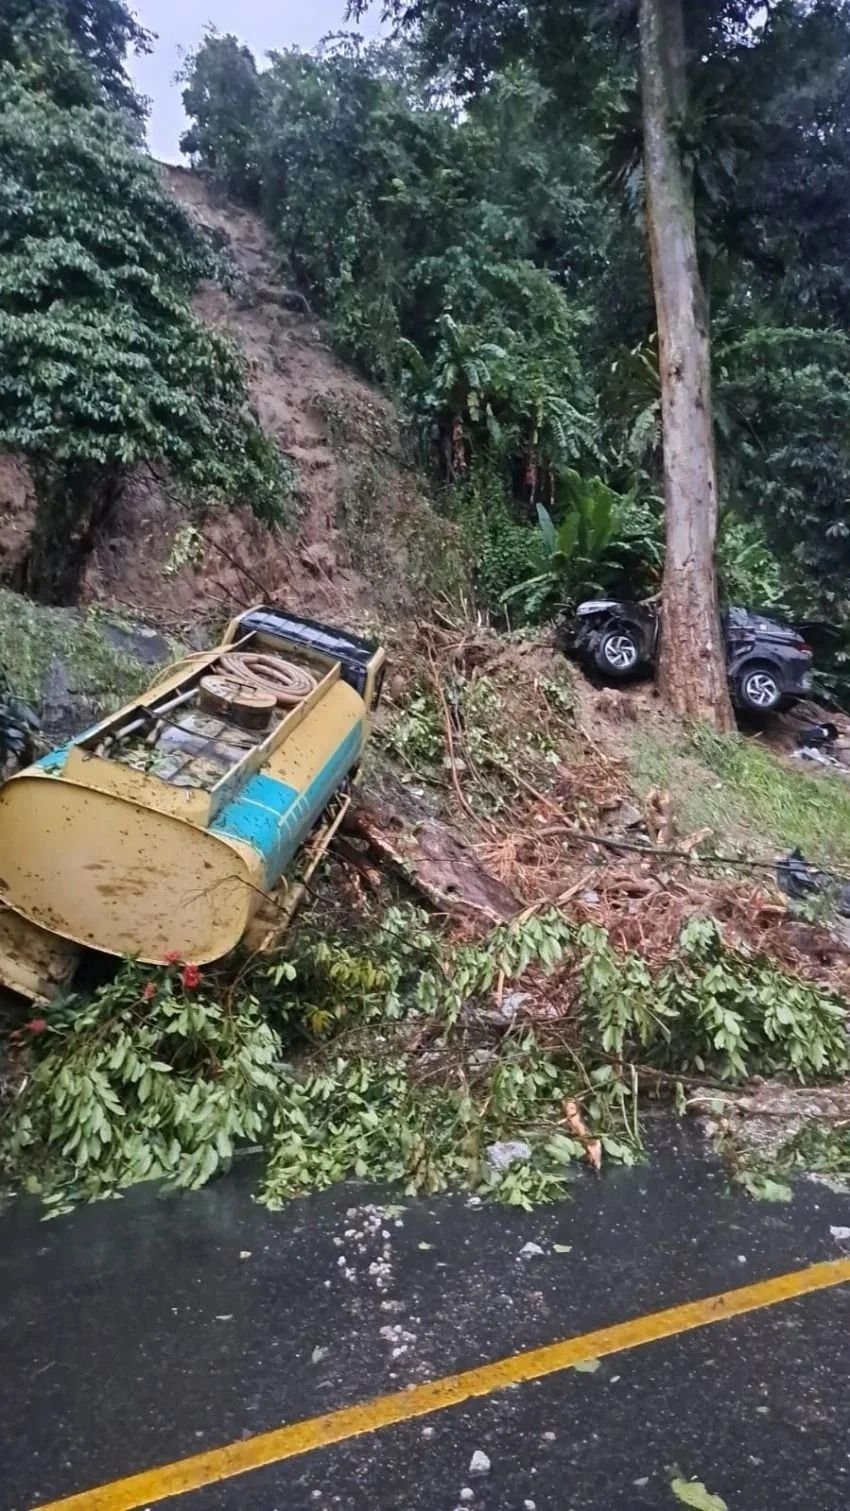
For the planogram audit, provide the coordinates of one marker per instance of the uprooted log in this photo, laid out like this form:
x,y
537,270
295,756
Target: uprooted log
x,y
433,858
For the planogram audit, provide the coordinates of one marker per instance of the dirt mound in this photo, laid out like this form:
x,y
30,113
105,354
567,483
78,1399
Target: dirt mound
x,y
360,537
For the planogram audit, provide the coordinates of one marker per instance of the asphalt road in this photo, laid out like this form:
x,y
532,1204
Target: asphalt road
x,y
140,1332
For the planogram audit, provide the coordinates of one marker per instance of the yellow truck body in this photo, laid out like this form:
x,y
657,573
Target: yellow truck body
x,y
98,855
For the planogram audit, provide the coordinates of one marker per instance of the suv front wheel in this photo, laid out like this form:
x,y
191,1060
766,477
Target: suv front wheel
x,y
618,653
759,689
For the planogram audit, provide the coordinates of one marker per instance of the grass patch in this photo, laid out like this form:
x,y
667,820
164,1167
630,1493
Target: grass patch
x,y
789,807
737,788
700,799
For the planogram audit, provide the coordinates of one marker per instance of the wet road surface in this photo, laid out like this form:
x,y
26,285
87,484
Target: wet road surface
x,y
138,1333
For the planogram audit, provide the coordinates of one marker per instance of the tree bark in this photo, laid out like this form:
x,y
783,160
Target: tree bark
x,y
73,502
692,668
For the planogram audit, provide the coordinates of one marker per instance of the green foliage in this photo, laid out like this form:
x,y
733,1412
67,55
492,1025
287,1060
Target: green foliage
x,y
504,550
507,385
693,1493
745,795
785,395
446,252
466,259
367,1119
370,1111
346,169
222,97
762,1187
765,135
75,48
416,734
796,810
317,1056
512,558
466,379
820,1147
580,544
132,1087
710,1009
34,639
602,536
748,572
187,549
102,359
155,1079
102,362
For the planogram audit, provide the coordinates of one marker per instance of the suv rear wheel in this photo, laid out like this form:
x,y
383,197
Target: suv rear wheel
x,y
759,689
618,653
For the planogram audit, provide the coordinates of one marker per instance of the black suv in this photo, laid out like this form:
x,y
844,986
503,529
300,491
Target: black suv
x,y
769,664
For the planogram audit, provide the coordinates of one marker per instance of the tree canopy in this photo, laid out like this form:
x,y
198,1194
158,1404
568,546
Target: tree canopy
x,y
488,262
95,36
102,363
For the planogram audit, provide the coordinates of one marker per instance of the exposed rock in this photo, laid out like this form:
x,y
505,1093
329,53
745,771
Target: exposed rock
x,y
530,1251
73,666
479,1464
511,1152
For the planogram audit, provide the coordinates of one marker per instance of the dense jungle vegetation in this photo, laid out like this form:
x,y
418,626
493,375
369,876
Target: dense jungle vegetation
x,y
465,205
103,365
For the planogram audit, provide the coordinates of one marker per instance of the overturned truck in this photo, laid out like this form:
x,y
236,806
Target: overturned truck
x,y
169,827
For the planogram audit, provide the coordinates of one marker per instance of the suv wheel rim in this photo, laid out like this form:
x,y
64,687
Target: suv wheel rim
x,y
761,689
621,652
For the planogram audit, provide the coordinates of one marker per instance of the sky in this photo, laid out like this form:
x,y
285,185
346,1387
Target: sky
x,y
179,24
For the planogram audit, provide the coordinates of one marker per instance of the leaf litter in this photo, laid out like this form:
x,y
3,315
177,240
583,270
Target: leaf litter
x,y
693,1493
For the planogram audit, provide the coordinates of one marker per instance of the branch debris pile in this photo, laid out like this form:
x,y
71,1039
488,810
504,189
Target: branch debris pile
x,y
509,954
523,804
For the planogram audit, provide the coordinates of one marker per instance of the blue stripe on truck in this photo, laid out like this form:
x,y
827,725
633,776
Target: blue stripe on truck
x,y
54,763
275,818
255,816
300,818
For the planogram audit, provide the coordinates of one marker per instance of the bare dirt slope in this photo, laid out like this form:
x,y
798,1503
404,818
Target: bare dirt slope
x,y
361,537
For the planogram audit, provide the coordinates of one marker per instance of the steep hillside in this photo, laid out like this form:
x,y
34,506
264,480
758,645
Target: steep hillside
x,y
361,537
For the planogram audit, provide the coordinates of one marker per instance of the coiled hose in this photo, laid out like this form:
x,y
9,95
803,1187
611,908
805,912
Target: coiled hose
x,y
287,683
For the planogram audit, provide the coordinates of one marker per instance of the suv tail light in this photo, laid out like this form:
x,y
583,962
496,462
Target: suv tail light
x,y
804,647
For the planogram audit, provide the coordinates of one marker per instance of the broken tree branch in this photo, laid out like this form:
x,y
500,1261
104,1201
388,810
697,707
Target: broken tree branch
x,y
434,678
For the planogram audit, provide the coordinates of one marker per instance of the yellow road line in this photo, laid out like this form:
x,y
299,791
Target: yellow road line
x,y
288,1442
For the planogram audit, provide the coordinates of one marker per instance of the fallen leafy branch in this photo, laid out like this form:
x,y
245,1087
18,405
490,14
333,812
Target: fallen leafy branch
x,y
400,1056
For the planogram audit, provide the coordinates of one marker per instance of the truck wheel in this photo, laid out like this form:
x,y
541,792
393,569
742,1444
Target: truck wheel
x,y
618,653
759,689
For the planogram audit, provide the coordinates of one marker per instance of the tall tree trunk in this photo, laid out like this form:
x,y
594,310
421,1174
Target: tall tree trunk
x,y
692,672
